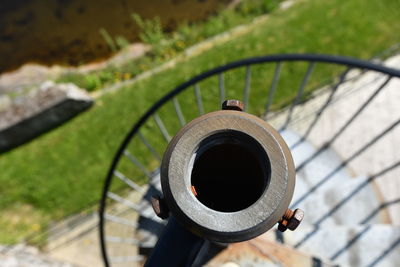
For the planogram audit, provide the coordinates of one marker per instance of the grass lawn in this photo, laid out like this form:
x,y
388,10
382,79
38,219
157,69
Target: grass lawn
x,y
62,172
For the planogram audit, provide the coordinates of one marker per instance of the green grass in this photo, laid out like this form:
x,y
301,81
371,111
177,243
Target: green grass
x,y
62,171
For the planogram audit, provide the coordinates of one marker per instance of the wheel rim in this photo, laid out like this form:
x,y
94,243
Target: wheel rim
x,y
308,64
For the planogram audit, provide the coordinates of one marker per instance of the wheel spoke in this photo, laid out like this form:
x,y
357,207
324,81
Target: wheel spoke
x,y
299,95
150,148
120,220
117,239
128,181
343,164
134,160
199,100
123,201
343,128
221,86
178,111
122,259
323,108
272,90
246,90
161,127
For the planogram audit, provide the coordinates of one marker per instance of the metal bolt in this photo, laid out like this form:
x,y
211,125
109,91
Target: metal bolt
x,y
233,104
291,220
159,207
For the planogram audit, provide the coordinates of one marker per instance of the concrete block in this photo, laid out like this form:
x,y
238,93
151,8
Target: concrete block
x,y
40,111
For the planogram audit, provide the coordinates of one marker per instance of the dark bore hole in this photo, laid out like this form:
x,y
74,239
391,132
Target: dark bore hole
x,y
230,171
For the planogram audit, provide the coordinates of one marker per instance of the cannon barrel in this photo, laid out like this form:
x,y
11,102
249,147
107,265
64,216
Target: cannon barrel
x,y
227,176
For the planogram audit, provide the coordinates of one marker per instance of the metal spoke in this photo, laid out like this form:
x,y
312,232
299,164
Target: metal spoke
x,y
178,111
272,90
337,99
350,243
122,259
343,128
128,181
389,249
354,192
221,85
134,160
147,144
119,220
199,101
346,199
124,201
246,90
378,209
357,113
116,239
299,94
344,163
162,128
323,108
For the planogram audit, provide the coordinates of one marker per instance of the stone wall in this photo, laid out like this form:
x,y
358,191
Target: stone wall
x,y
39,111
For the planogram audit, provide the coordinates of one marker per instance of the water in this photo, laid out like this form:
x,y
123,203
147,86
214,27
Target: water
x,y
66,32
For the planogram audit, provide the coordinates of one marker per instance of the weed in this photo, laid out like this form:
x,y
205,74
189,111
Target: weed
x,y
109,40
151,31
166,46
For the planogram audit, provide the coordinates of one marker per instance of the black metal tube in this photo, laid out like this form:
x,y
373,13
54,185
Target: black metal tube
x,y
176,247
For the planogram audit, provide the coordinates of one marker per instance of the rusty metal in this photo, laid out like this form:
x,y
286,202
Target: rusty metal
x,y
194,190
233,104
159,207
291,220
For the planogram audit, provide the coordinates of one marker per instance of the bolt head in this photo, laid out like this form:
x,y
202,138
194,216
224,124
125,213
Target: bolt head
x,y
159,207
233,104
295,220
282,227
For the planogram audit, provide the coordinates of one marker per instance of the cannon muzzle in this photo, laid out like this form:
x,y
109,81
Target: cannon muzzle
x,y
227,176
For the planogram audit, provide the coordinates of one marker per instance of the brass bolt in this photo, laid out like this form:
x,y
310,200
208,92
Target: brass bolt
x,y
233,104
290,220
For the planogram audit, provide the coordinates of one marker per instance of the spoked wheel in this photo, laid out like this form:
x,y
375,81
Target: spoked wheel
x,y
340,119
